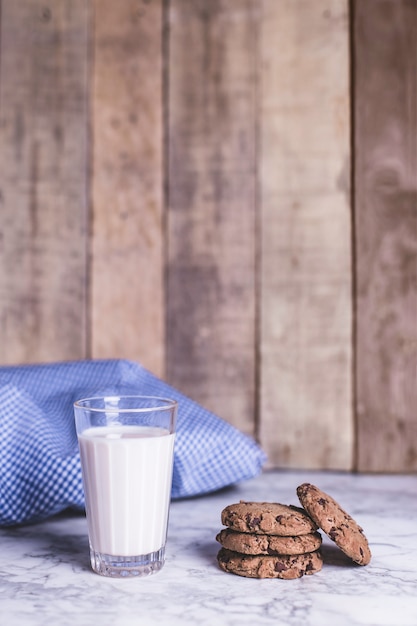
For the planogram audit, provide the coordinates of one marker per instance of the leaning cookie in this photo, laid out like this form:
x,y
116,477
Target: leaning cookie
x,y
252,543
267,518
279,566
335,522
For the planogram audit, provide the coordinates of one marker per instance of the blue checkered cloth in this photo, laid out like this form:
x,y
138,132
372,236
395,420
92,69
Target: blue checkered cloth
x,y
40,472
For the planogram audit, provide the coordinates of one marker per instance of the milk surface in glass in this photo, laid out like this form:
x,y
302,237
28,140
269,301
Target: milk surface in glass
x,y
127,474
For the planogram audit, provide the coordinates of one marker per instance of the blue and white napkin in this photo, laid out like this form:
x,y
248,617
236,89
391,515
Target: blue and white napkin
x,y
40,472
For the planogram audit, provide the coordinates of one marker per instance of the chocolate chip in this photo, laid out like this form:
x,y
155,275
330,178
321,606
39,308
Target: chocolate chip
x,y
333,533
361,551
280,567
309,566
252,522
279,518
272,552
322,501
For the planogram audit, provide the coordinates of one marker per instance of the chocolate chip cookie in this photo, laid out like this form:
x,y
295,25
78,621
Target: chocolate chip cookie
x,y
279,566
272,545
335,522
269,518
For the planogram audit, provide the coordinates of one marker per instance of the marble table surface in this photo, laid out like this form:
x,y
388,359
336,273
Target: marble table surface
x,y
45,576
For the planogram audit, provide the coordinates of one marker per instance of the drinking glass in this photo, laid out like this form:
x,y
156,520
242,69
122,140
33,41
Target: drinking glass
x,y
127,450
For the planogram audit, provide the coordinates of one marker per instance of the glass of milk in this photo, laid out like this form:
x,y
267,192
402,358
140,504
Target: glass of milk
x,y
127,450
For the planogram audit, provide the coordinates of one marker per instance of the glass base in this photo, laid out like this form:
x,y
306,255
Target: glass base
x,y
127,566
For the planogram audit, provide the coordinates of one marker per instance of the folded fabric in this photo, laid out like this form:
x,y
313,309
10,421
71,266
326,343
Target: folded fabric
x,y
40,472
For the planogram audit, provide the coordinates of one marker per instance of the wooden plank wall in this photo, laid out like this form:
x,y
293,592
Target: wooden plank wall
x,y
44,180
224,191
211,205
127,244
386,233
306,297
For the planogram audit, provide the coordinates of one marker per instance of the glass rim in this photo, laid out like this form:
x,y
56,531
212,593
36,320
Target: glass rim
x,y
165,404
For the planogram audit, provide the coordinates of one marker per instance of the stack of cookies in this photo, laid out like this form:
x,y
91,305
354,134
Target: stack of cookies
x,y
271,540
268,540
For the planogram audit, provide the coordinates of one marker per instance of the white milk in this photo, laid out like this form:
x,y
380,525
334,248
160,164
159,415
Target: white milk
x,y
127,475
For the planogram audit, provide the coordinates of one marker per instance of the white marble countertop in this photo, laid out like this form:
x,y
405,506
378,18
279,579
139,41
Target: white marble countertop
x,y
45,576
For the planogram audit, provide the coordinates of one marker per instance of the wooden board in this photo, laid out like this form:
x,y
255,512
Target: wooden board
x,y
305,298
211,199
43,180
127,253
385,89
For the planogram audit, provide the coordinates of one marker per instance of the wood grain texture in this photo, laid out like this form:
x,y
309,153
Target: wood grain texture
x,y
211,194
127,271
306,303
385,36
43,180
